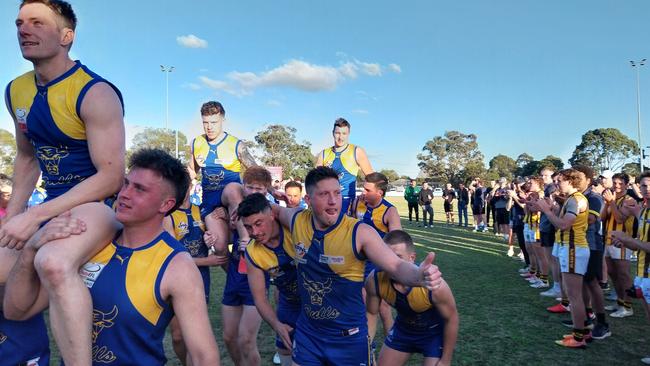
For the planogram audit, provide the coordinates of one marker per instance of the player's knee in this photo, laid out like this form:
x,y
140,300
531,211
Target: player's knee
x,y
52,269
230,338
247,341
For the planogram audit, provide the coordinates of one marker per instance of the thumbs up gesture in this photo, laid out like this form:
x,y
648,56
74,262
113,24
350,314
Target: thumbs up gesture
x,y
428,273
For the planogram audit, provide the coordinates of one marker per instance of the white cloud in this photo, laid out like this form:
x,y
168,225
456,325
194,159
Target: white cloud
x,y
274,103
295,74
395,68
191,41
192,86
360,111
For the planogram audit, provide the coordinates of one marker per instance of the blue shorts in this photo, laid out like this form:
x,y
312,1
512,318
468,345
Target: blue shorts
x,y
289,316
429,344
315,349
205,275
24,341
236,292
210,201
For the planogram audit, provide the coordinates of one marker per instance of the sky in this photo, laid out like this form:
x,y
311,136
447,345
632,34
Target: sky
x,y
523,75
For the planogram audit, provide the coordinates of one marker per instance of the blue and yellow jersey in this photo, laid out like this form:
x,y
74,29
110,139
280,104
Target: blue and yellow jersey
x,y
330,275
189,229
643,259
49,116
345,163
220,165
416,310
129,313
279,265
611,224
577,234
373,216
24,342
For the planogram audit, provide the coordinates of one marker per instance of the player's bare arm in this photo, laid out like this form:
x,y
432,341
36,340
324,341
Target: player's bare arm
x,y
446,304
372,304
362,160
182,283
245,157
425,275
392,219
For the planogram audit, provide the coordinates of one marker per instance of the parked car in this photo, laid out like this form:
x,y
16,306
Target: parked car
x,y
437,192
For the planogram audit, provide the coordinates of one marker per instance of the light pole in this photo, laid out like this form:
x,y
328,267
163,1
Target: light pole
x,y
637,65
167,70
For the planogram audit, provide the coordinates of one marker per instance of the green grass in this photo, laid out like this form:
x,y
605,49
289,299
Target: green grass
x,y
502,320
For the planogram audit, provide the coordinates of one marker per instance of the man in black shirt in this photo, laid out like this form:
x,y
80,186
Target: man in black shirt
x,y
463,199
449,195
424,199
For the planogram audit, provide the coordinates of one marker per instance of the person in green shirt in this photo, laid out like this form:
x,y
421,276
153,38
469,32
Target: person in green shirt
x,y
411,197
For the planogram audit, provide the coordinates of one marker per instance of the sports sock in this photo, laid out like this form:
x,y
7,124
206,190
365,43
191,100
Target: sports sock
x,y
578,334
620,302
544,278
565,301
627,305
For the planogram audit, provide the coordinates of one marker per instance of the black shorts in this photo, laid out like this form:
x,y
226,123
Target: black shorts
x,y
478,209
449,207
503,217
595,266
547,238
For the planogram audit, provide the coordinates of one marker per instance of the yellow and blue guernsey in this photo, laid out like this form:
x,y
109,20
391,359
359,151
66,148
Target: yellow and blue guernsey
x,y
188,230
49,116
345,163
24,342
373,216
419,326
576,235
643,259
220,165
129,313
330,276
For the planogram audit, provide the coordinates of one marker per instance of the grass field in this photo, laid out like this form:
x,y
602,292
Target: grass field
x,y
502,320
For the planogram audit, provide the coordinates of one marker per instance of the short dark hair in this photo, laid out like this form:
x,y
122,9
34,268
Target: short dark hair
x,y
587,171
211,108
400,237
341,122
253,204
168,167
258,174
318,174
293,184
379,180
60,8
549,168
575,178
643,175
622,176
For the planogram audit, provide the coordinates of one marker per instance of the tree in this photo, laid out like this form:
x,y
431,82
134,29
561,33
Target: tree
x,y
279,148
552,161
631,169
161,138
390,174
523,159
446,158
503,166
7,152
604,148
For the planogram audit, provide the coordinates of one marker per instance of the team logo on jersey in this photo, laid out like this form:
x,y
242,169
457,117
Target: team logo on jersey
x,y
102,321
51,157
214,180
331,259
32,362
317,290
3,338
301,251
193,246
21,118
90,272
182,228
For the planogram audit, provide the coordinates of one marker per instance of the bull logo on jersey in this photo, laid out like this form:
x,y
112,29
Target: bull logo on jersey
x,y
193,246
214,180
317,290
102,321
51,157
3,338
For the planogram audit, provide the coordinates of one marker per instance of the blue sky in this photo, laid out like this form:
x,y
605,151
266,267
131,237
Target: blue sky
x,y
525,76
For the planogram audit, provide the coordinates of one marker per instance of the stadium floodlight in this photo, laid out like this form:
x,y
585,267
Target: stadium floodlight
x,y
637,66
167,70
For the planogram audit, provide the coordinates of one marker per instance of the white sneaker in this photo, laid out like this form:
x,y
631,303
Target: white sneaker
x,y
521,256
622,312
506,237
540,284
553,292
645,360
276,359
612,296
511,252
532,279
612,307
523,270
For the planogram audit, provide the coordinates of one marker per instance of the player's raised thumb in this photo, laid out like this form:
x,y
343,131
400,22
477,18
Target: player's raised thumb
x,y
428,260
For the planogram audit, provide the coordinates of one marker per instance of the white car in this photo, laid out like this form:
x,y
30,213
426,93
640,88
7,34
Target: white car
x,y
437,192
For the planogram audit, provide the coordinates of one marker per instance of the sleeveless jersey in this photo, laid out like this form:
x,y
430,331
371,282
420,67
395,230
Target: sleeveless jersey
x,y
219,163
416,311
345,164
611,224
577,234
373,216
24,342
188,230
129,314
279,265
643,259
49,116
330,276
